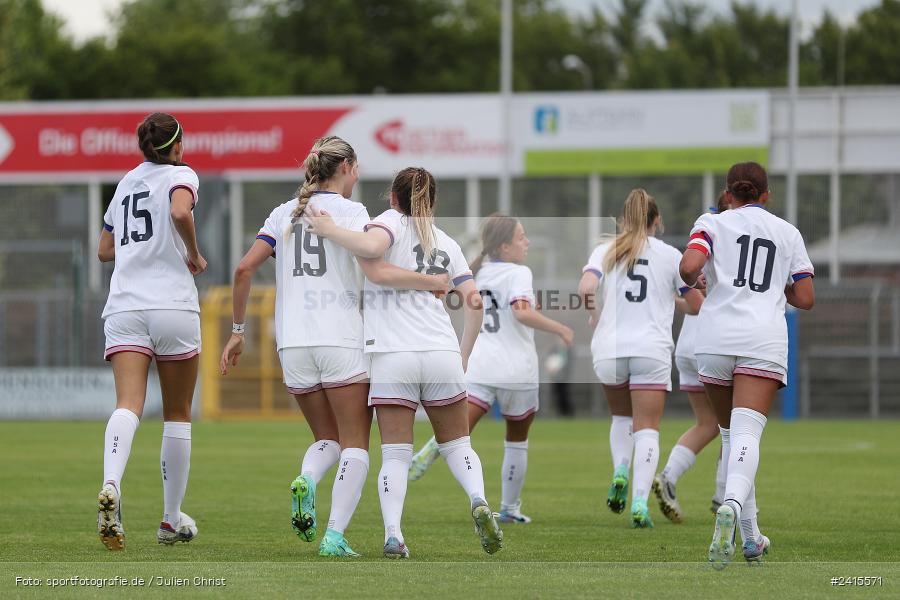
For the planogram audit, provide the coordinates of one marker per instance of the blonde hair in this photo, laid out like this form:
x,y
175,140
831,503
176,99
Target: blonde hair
x,y
416,192
325,157
638,214
498,229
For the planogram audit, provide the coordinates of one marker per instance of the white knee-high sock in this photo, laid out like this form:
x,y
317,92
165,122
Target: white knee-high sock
x,y
722,463
349,480
749,525
746,430
681,458
646,459
395,459
465,466
515,464
175,464
621,440
117,444
320,457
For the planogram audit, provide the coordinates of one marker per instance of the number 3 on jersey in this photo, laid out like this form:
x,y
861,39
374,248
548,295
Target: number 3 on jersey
x,y
304,240
491,308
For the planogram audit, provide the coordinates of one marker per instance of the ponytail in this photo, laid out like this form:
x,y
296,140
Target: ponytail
x,y
638,215
498,229
416,193
324,159
157,135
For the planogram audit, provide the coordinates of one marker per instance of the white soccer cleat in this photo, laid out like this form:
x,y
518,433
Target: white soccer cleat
x,y
512,515
185,531
109,518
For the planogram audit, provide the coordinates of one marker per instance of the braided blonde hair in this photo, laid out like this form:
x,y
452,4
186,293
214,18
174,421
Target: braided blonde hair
x,y
325,157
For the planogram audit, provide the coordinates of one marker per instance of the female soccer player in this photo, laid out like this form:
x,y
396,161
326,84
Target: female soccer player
x,y
416,358
755,262
632,343
319,334
504,363
692,441
152,311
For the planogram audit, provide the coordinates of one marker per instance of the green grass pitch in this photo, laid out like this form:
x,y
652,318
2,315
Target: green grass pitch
x,y
829,496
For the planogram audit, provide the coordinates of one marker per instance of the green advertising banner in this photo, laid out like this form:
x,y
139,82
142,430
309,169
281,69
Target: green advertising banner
x,y
640,161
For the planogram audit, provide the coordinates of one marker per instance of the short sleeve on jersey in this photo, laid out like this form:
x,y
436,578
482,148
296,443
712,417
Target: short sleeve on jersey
x,y
521,286
595,262
389,221
801,266
702,235
184,178
459,266
268,233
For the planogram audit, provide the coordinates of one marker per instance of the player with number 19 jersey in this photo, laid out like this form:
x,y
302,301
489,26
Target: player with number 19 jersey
x,y
753,256
318,282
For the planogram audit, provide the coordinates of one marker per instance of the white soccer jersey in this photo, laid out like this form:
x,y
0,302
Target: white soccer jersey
x,y
687,338
412,320
151,269
317,282
637,305
504,355
753,256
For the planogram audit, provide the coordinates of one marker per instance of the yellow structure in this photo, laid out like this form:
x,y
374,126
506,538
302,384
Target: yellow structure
x,y
253,389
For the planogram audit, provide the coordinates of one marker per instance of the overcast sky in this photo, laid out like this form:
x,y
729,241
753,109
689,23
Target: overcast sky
x,y
88,18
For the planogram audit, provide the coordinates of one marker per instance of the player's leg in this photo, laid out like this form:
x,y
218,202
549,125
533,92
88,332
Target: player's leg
x,y
480,400
613,374
394,392
345,379
648,409
691,442
130,369
519,408
444,399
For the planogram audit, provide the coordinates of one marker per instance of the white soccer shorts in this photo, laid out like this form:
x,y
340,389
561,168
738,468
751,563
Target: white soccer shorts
x,y
720,369
635,373
430,378
161,333
311,368
515,405
688,377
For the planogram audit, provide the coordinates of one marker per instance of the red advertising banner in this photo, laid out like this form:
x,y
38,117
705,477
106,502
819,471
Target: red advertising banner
x,y
215,139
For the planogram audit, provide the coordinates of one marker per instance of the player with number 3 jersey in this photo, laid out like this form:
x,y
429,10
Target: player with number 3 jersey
x,y
754,263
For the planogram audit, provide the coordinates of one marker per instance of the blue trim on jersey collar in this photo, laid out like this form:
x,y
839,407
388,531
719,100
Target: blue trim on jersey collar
x,y
752,205
324,192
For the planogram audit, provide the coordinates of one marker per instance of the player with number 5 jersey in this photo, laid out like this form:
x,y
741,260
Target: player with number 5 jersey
x,y
632,344
152,312
754,263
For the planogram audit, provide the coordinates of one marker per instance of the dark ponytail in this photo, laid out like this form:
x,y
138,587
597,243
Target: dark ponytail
x,y
157,135
747,181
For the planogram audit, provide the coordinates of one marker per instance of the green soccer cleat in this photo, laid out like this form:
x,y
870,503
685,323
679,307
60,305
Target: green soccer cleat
x,y
423,459
722,547
640,515
303,507
618,490
109,518
486,526
334,544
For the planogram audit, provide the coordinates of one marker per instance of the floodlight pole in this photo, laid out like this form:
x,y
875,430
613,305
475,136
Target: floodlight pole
x,y
504,201
793,80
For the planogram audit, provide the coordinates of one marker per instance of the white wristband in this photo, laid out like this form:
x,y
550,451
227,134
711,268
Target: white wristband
x,y
237,328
